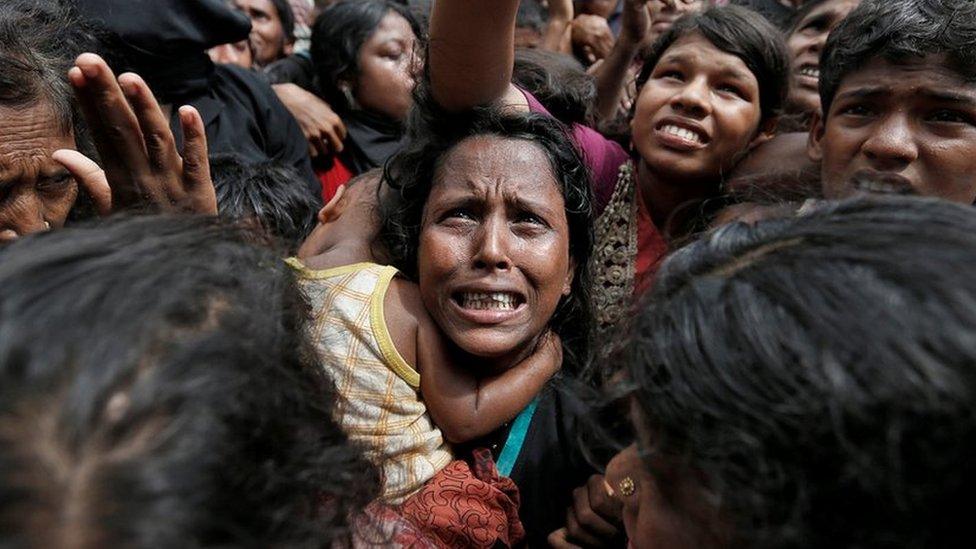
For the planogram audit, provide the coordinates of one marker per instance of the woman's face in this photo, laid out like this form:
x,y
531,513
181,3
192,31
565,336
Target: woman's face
x,y
806,42
683,518
697,113
36,192
493,257
388,66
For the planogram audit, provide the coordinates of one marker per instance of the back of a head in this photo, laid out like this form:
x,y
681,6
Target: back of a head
x,y
268,194
816,374
558,81
156,390
896,30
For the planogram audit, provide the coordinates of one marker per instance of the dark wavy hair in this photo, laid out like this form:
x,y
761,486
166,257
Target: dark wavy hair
x,y
899,30
740,32
287,17
337,36
816,374
158,389
411,175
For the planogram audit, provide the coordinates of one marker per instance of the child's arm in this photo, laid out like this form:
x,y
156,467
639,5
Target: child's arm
x,y
462,405
465,406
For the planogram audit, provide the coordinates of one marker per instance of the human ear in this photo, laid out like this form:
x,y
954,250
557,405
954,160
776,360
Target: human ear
x,y
817,129
767,131
570,276
333,210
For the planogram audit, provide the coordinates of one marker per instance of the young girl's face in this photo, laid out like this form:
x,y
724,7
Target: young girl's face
x,y
697,113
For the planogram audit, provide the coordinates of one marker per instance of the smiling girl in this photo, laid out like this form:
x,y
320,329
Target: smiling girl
x,y
710,90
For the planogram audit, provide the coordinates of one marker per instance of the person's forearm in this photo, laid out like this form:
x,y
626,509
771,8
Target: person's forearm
x,y
471,51
466,408
558,33
611,78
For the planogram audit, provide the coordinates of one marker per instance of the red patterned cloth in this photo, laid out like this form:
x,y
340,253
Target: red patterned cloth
x,y
467,507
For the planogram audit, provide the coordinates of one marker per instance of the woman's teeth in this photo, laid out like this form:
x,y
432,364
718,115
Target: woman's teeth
x,y
687,135
495,300
812,72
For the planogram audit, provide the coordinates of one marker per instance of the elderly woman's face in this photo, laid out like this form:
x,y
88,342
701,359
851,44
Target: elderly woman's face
x,y
36,192
494,247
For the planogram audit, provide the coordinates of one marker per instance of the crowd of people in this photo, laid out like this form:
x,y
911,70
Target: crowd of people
x,y
487,273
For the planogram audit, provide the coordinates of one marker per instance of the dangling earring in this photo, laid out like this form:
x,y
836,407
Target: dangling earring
x,y
347,93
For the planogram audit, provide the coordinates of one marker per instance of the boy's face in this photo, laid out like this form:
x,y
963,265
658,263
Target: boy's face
x,y
905,128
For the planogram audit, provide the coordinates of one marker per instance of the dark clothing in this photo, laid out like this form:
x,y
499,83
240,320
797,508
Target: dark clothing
x,y
371,139
551,463
165,42
243,115
295,69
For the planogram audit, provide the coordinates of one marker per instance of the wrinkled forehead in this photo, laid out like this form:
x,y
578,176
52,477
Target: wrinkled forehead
x,y
485,163
28,137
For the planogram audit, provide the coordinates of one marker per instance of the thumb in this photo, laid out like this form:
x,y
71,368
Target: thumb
x,y
89,175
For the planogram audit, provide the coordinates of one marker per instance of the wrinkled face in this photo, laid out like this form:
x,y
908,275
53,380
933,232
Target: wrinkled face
x,y
493,258
388,67
697,113
36,192
268,40
664,15
906,128
806,42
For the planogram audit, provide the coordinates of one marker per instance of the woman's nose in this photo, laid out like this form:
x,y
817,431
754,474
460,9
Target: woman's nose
x,y
692,99
492,247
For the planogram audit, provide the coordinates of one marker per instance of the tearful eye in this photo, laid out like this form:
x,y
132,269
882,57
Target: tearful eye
x,y
528,217
458,214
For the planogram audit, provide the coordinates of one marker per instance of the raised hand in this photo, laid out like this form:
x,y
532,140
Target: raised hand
x,y
141,166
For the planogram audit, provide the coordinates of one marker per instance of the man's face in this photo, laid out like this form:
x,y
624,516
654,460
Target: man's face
x,y
268,40
905,128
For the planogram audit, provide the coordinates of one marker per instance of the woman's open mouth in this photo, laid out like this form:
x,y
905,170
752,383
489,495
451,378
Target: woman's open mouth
x,y
488,307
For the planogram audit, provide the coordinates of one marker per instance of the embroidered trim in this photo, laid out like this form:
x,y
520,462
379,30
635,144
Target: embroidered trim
x,y
613,265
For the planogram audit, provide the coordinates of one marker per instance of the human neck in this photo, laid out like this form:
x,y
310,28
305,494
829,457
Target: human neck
x,y
344,251
664,197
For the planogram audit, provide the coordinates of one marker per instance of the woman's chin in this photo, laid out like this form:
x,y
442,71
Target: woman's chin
x,y
498,352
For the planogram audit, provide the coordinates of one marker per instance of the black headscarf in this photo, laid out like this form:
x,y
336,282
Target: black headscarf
x,y
165,41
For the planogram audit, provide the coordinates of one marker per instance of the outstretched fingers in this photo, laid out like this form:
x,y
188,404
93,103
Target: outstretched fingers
x,y
114,126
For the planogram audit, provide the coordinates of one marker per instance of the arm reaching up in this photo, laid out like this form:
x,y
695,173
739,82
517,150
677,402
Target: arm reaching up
x,y
471,53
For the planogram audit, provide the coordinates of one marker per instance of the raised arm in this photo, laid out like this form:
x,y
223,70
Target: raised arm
x,y
612,74
466,407
558,33
471,53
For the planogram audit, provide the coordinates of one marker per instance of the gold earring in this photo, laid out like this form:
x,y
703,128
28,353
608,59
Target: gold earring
x,y
627,486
